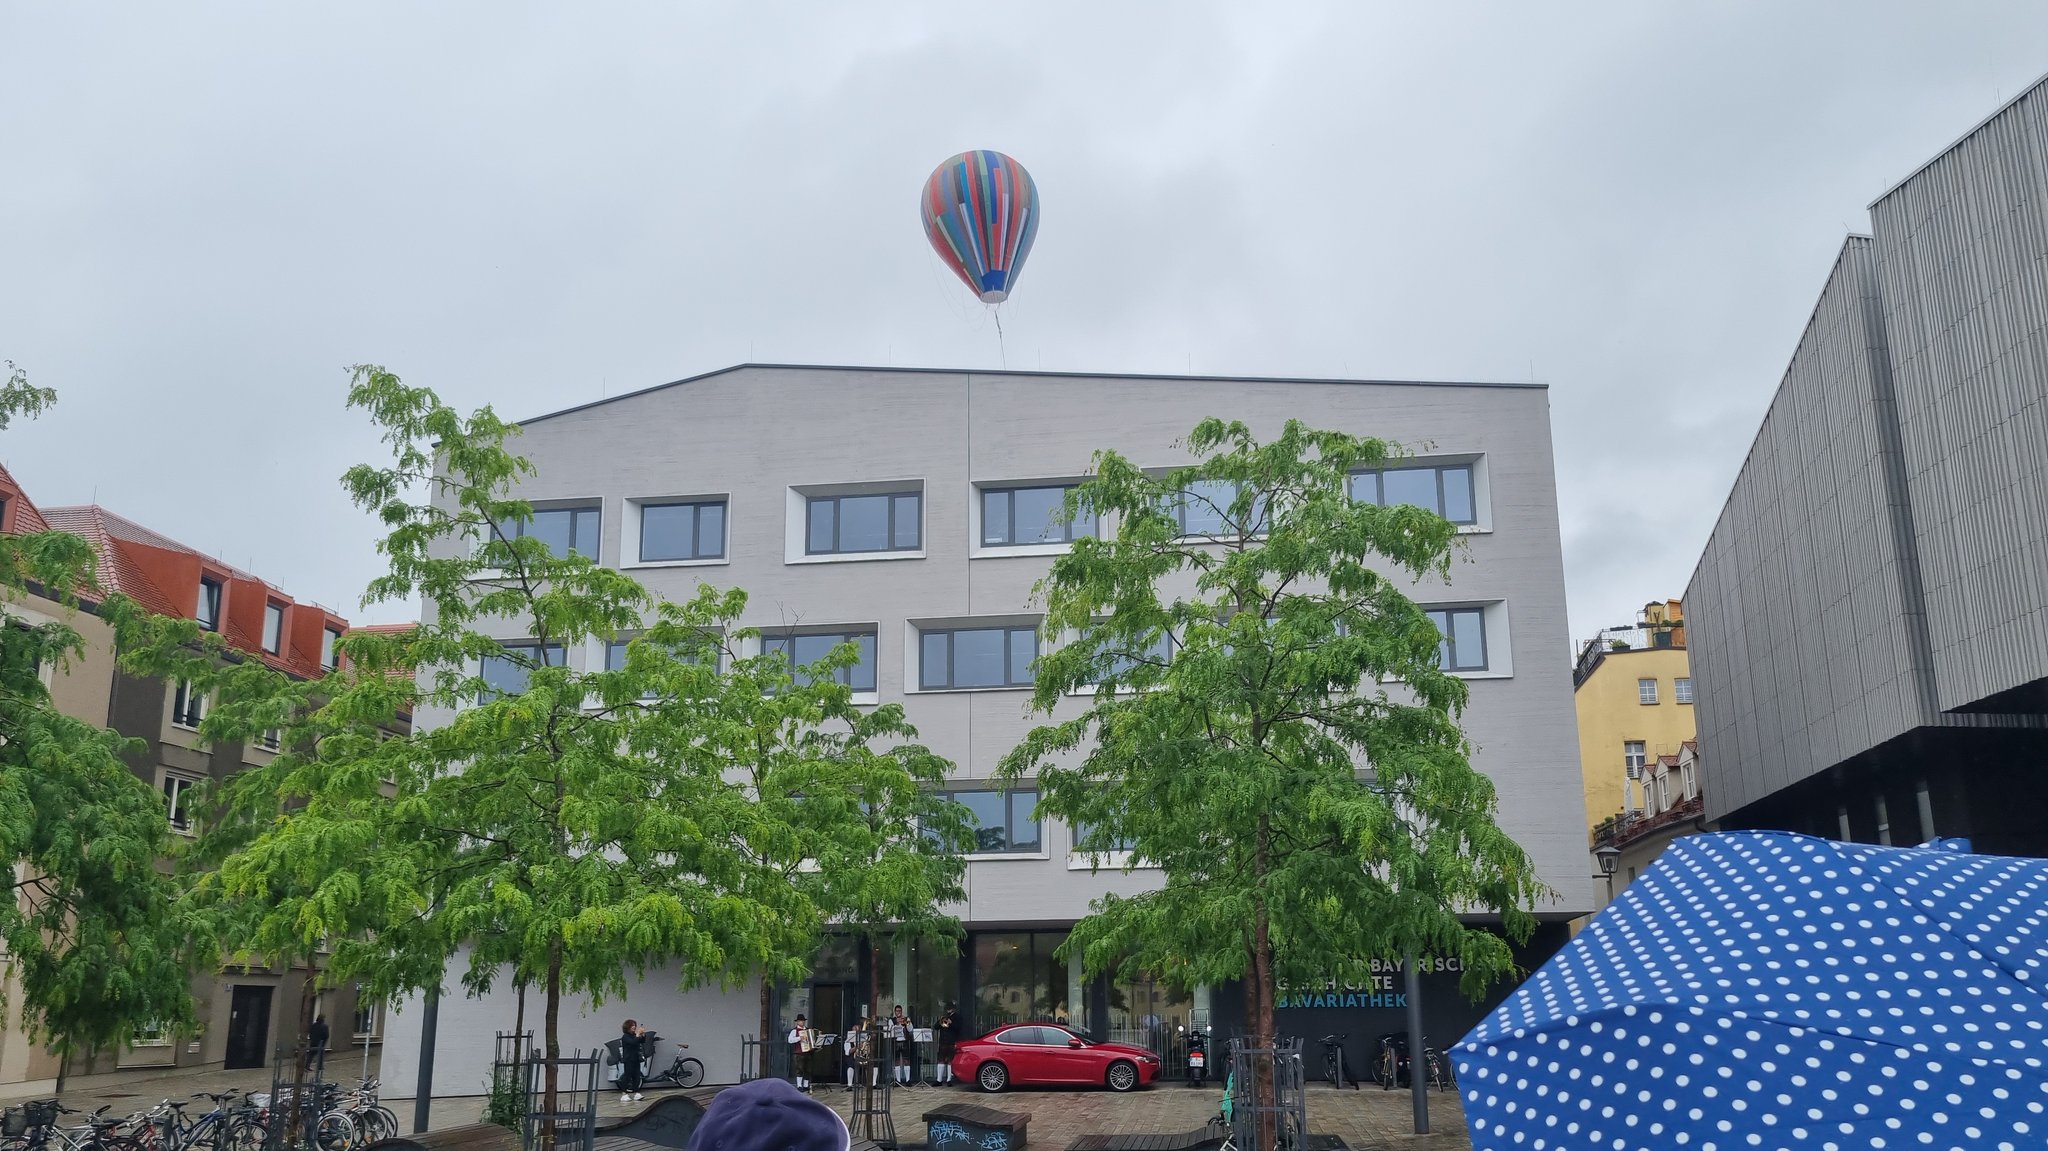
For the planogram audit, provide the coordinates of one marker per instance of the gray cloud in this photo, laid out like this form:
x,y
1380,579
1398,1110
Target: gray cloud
x,y
209,210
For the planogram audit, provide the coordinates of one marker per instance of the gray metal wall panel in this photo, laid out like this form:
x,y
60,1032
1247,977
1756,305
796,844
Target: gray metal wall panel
x,y
1802,647
1964,266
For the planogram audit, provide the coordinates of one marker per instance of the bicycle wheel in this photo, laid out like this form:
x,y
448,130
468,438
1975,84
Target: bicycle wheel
x,y
375,1124
335,1131
242,1135
689,1073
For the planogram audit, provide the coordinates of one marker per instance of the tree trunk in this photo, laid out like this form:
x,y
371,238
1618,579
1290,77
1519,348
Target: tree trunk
x,y
1267,1135
550,1023
63,1070
302,1062
519,1032
767,1026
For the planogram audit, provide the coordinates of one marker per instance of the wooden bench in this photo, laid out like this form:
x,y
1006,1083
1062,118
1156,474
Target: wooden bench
x,y
959,1126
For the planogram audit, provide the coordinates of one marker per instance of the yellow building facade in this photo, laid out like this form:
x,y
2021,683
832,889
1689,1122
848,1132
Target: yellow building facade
x,y
1633,690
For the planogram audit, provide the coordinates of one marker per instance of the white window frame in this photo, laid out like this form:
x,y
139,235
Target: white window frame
x,y
375,1010
632,525
182,693
273,640
174,803
1681,690
1646,690
1635,757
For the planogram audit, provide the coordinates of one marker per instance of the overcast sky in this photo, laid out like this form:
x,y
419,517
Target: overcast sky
x,y
207,210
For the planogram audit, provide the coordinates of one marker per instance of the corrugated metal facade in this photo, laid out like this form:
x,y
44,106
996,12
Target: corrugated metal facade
x,y
1964,269
1883,555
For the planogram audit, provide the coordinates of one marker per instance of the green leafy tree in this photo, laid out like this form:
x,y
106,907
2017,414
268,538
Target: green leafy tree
x,y
569,826
1269,726
85,910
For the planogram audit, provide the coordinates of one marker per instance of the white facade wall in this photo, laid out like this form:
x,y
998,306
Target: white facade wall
x,y
753,434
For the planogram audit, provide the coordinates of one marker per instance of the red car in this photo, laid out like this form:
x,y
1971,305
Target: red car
x,y
1034,1054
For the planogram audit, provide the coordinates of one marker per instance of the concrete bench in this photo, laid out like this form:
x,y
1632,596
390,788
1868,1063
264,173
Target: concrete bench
x,y
959,1126
471,1137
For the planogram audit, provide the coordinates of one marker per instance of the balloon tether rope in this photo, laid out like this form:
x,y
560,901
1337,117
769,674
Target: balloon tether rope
x,y
1002,354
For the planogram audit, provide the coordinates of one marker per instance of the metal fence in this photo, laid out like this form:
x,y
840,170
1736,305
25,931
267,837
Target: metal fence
x,y
294,1077
571,1124
1288,1112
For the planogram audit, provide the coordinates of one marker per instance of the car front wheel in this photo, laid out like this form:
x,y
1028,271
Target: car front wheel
x,y
1122,1076
992,1077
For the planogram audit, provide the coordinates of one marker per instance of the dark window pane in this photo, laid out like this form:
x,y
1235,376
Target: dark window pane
x,y
932,666
987,809
862,675
273,627
809,649
710,531
1037,515
909,522
978,658
584,542
1023,653
1458,495
863,523
615,655
822,517
1468,639
995,517
668,532
1411,486
553,529
1365,487
1023,828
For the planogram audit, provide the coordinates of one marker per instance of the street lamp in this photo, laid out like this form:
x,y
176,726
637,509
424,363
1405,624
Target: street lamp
x,y
1609,856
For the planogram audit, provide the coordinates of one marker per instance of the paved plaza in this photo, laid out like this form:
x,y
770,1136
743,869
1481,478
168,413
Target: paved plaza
x,y
1367,1119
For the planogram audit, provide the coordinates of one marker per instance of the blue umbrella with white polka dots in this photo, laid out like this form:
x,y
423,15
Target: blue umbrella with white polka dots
x,y
1762,990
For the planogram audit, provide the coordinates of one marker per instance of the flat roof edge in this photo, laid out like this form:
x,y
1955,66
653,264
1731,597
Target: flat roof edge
x,y
1959,141
1040,374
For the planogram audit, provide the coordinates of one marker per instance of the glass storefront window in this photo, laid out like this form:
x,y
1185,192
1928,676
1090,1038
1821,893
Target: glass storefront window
x,y
1144,1011
1017,977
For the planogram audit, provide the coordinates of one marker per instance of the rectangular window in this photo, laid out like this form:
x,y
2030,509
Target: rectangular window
x,y
1445,490
366,1014
273,627
1013,517
977,657
1002,820
177,789
1091,840
207,612
682,531
1681,690
566,531
1632,753
805,649
1204,509
1464,642
272,739
328,638
1119,664
1646,691
850,525
151,1034
188,706
509,674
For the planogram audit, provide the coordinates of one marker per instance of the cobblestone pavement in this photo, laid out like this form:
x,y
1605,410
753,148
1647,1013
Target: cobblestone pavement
x,y
1368,1119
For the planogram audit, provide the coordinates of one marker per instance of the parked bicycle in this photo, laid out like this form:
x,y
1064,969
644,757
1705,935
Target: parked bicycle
x,y
1437,1070
682,1071
224,1128
1333,1062
1390,1066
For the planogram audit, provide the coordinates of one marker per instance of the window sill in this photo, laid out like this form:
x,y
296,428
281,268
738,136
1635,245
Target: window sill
x,y
1001,856
1473,529
968,690
639,565
853,557
1001,551
1483,674
176,726
1106,861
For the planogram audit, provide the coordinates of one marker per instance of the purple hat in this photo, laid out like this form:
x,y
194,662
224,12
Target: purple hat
x,y
769,1115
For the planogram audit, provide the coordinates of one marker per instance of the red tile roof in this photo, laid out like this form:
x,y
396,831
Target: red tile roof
x,y
22,515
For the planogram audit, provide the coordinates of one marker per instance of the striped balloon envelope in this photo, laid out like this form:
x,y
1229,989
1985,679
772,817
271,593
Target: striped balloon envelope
x,y
980,212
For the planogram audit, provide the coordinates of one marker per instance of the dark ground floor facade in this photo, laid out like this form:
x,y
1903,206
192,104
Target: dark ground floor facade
x,y
996,976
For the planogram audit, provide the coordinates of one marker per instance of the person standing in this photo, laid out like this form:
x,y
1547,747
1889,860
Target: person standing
x,y
948,1035
801,1041
316,1045
632,1050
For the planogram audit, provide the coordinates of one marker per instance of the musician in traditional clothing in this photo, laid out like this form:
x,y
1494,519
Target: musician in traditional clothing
x,y
802,1041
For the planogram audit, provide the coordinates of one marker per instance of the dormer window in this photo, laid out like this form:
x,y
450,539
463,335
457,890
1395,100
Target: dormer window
x,y
207,612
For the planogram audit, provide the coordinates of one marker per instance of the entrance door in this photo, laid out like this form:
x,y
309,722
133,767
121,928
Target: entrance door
x,y
248,1025
828,1015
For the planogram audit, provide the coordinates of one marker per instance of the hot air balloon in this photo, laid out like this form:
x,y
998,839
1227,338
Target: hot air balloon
x,y
980,212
